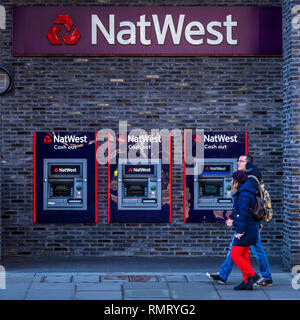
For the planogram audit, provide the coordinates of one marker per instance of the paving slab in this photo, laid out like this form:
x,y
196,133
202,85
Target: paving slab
x,y
174,278
197,278
242,295
282,293
86,278
146,293
143,278
152,299
52,291
98,287
12,295
17,275
281,278
53,277
49,297
14,291
114,278
38,277
145,285
98,295
58,278
193,291
44,286
56,274
280,287
16,281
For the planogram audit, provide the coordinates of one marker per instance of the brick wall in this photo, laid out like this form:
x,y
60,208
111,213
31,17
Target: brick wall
x,y
291,122
64,93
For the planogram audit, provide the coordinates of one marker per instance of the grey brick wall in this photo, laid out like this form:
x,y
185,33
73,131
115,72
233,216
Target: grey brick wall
x,y
55,93
291,121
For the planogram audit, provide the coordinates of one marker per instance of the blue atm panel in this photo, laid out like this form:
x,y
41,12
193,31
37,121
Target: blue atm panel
x,y
207,185
65,182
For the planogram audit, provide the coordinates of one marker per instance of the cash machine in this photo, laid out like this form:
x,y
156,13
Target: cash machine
x,y
65,184
208,196
65,177
139,184
212,185
139,188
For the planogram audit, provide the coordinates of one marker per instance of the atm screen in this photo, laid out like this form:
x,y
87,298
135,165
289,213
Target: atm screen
x,y
135,189
61,189
210,189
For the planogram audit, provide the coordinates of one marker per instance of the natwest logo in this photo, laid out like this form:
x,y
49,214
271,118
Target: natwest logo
x,y
47,139
122,139
179,27
198,138
141,170
71,39
70,139
66,170
143,138
220,138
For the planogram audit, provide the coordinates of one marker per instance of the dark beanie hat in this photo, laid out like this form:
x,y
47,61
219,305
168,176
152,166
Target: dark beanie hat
x,y
240,176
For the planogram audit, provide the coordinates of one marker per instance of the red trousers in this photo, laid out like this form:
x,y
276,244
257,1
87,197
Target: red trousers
x,y
241,257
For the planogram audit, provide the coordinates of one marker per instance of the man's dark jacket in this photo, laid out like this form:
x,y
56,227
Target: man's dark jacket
x,y
251,169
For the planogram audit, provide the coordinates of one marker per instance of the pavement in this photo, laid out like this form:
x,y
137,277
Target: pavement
x,y
132,278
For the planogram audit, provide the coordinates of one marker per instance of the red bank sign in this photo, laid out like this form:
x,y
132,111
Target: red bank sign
x,y
157,31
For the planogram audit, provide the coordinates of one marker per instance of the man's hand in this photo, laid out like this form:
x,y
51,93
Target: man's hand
x,y
239,235
229,222
261,227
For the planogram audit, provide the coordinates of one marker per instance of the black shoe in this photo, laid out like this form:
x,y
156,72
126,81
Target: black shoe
x,y
240,286
216,277
264,282
251,281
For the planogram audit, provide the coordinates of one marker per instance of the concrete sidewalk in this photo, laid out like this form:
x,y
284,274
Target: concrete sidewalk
x,y
125,278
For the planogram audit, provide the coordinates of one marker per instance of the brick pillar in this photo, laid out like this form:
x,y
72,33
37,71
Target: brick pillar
x,y
291,129
2,25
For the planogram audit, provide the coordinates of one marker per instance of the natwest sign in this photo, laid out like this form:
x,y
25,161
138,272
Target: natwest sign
x,y
70,139
101,31
193,32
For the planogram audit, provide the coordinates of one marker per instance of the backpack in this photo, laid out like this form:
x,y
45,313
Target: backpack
x,y
262,209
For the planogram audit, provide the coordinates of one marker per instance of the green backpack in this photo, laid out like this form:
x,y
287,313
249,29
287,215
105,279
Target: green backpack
x,y
265,196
